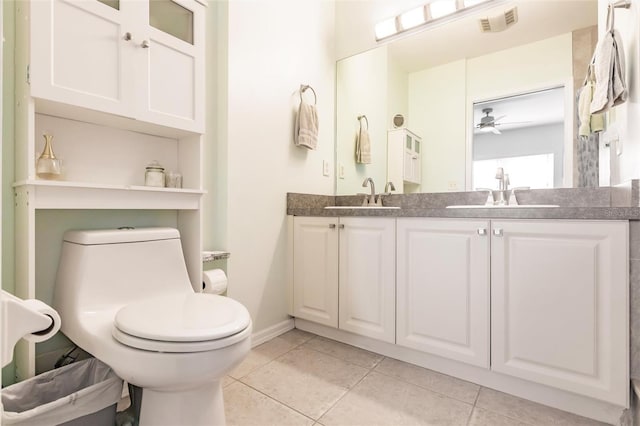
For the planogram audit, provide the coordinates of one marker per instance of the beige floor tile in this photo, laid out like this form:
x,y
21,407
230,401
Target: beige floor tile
x,y
227,380
481,417
437,382
527,411
261,355
384,400
345,352
306,380
244,406
297,337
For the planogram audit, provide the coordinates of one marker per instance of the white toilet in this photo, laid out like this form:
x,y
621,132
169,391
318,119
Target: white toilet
x,y
125,297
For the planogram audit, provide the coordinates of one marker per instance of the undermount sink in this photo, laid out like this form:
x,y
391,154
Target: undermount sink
x,y
362,207
511,206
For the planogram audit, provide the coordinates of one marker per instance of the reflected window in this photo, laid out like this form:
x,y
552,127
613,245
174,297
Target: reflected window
x,y
535,171
111,3
171,18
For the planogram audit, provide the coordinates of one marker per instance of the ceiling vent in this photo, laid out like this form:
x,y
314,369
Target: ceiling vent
x,y
500,22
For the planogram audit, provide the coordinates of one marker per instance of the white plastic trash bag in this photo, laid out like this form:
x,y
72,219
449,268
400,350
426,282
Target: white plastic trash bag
x,y
61,395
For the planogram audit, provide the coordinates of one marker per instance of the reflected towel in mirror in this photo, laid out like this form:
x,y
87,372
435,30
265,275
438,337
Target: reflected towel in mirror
x,y
363,147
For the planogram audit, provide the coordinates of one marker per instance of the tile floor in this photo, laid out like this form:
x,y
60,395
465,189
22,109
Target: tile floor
x,y
302,379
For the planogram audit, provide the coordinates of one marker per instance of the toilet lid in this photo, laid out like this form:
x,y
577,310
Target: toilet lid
x,y
183,317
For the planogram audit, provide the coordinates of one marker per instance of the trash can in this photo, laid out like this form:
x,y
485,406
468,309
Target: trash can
x,y
84,393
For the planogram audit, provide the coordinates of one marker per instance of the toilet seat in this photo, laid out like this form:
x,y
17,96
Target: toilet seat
x,y
181,322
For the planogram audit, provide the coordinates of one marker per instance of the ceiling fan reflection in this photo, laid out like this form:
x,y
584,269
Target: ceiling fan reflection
x,y
488,123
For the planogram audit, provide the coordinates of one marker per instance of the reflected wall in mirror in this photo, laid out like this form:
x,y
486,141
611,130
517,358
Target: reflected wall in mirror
x,y
435,77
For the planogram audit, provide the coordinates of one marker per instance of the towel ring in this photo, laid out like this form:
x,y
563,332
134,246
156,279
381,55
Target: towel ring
x,y
360,117
303,88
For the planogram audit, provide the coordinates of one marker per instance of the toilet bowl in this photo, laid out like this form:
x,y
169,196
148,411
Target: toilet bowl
x,y
125,297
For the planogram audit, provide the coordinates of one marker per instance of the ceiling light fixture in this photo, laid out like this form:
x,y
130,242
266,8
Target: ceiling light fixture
x,y
436,10
413,18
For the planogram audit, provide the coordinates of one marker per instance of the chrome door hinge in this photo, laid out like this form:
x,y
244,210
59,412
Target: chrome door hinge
x,y
28,74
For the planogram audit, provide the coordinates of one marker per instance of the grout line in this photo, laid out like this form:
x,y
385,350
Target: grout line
x,y
345,394
344,360
272,359
473,407
431,389
278,401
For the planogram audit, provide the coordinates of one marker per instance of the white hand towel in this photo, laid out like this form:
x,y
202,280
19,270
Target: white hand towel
x,y
589,123
610,89
363,147
306,131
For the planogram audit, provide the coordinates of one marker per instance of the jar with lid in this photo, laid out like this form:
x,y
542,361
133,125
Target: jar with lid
x,y
154,175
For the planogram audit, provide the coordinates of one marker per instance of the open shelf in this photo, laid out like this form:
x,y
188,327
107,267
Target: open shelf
x,y
50,194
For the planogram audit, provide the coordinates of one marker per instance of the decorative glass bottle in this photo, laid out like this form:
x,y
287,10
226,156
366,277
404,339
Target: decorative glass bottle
x,y
48,166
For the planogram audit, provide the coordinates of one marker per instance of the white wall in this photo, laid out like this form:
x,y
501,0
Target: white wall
x,y
273,47
437,113
623,119
362,90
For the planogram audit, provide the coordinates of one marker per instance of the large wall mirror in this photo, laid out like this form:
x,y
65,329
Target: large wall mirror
x,y
446,80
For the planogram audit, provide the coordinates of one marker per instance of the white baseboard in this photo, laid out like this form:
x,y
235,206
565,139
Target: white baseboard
x,y
269,333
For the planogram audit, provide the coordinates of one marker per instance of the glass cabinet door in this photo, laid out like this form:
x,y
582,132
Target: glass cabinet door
x,y
171,18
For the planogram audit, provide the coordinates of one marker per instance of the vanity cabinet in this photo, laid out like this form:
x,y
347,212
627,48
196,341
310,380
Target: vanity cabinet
x,y
367,277
114,56
315,269
403,157
343,274
443,288
559,298
538,308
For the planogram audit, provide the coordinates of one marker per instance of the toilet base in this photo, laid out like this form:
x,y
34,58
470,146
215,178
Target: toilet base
x,y
202,406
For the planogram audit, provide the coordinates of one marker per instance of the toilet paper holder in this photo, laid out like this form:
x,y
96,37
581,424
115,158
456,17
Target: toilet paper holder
x,y
30,319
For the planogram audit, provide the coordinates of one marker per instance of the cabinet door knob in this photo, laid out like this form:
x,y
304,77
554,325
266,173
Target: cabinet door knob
x,y
144,44
341,226
127,36
332,226
498,232
482,231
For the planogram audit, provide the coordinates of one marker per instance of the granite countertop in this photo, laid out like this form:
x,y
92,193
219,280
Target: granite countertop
x,y
604,203
601,213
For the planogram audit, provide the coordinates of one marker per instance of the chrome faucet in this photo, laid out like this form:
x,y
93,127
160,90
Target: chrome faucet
x,y
372,197
503,186
388,188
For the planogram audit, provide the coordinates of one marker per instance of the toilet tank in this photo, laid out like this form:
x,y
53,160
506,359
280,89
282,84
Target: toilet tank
x,y
103,269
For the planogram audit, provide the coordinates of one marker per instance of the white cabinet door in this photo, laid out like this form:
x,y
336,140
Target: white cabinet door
x,y
79,54
315,269
560,305
138,59
171,67
443,288
367,277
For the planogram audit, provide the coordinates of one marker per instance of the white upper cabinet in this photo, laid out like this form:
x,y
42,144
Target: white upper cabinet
x,y
559,305
403,158
137,59
443,288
